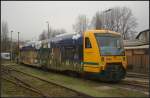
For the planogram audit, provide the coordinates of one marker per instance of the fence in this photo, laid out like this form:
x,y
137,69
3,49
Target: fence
x,y
138,63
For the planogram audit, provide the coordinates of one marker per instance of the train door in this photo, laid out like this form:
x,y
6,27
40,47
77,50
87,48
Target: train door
x,y
91,53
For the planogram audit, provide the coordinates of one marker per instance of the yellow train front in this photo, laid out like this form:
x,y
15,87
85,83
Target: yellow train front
x,y
104,55
95,53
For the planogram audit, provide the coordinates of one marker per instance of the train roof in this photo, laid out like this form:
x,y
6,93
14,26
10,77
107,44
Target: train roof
x,y
67,36
103,31
59,40
31,45
67,39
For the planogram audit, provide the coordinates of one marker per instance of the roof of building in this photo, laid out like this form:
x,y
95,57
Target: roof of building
x,y
138,47
134,42
141,33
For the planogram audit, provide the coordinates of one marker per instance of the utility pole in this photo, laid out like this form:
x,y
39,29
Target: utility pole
x,y
18,49
48,29
106,16
11,46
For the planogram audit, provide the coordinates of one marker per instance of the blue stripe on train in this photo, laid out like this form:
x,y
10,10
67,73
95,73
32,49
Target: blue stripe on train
x,y
90,63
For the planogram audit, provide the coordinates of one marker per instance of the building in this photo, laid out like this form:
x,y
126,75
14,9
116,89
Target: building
x,y
144,36
137,52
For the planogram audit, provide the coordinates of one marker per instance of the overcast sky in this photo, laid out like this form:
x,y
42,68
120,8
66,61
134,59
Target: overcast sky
x,y
29,17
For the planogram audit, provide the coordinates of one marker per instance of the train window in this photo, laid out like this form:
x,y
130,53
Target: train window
x,y
87,43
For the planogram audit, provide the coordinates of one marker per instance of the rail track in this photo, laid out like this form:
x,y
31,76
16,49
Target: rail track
x,y
143,83
28,86
17,81
141,86
137,75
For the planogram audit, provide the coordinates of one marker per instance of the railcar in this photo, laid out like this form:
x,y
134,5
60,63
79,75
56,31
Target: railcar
x,y
95,53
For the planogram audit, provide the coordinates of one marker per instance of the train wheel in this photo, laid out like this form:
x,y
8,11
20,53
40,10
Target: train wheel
x,y
114,73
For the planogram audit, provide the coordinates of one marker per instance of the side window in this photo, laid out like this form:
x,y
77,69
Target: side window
x,y
87,43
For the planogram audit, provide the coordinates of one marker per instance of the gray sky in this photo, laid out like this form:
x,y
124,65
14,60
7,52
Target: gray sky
x,y
29,17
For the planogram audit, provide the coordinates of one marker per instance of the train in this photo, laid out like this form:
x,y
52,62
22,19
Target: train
x,y
96,54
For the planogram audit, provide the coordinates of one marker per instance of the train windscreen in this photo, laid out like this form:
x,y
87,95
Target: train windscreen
x,y
110,44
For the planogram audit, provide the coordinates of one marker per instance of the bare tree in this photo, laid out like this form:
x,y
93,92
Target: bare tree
x,y
81,24
43,35
57,32
4,37
97,21
117,19
132,35
53,33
